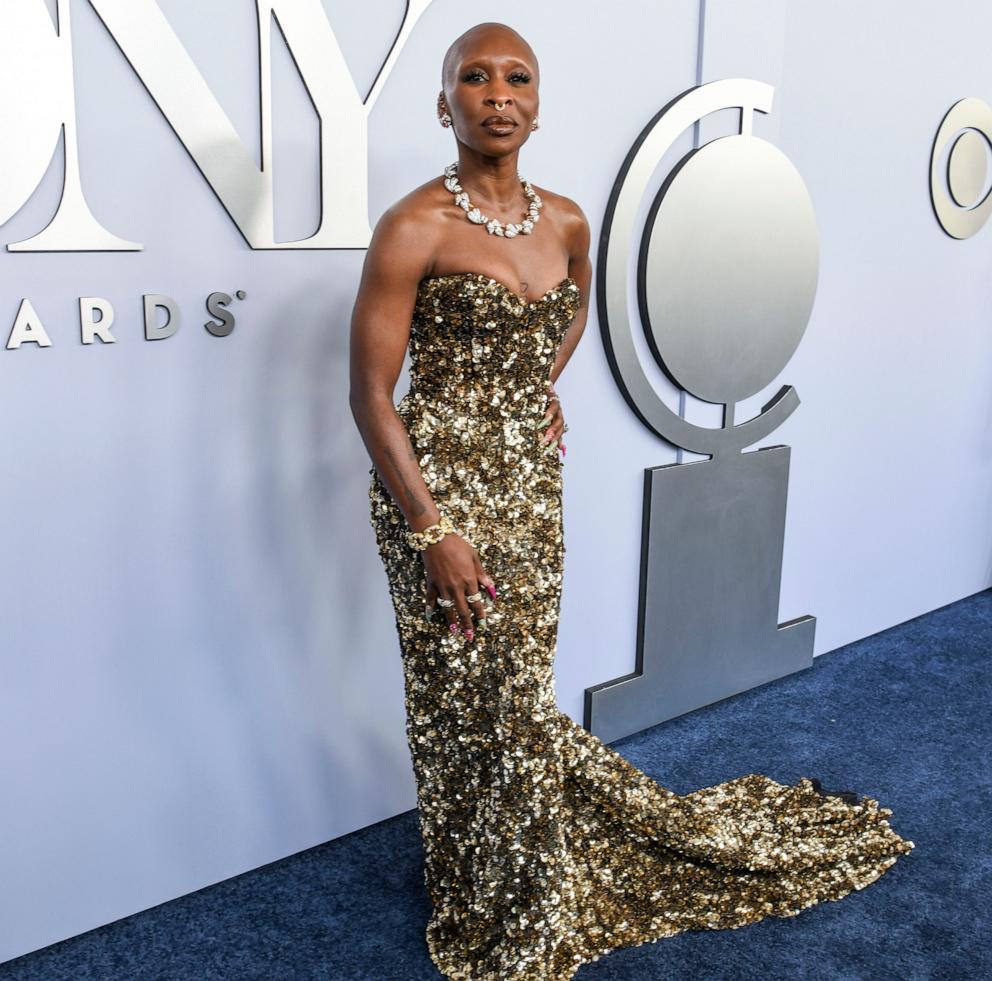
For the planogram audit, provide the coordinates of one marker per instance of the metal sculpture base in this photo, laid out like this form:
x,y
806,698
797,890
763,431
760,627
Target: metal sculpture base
x,y
711,568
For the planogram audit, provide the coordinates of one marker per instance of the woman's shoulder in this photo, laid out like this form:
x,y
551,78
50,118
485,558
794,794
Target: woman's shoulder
x,y
564,207
412,221
421,203
567,215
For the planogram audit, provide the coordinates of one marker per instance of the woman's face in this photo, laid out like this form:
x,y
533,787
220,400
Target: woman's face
x,y
490,73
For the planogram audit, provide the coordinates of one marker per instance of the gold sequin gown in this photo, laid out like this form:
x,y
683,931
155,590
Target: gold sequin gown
x,y
544,847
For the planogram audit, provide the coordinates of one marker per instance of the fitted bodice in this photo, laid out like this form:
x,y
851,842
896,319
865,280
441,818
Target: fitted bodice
x,y
480,359
471,338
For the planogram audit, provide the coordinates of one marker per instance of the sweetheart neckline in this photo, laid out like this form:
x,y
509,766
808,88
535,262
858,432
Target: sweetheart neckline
x,y
500,283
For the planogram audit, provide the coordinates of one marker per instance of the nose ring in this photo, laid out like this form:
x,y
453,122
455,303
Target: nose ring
x,y
500,106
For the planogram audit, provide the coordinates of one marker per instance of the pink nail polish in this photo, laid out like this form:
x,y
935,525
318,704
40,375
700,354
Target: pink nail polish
x,y
469,634
454,628
492,591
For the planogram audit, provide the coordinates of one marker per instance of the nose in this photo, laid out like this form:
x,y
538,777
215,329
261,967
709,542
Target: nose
x,y
505,103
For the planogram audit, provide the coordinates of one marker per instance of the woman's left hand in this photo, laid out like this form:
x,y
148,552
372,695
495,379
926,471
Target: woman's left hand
x,y
554,420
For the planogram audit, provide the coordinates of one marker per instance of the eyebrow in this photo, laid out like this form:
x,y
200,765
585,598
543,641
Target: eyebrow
x,y
470,62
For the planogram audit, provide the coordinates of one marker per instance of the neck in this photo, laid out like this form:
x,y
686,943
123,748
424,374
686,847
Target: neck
x,y
492,180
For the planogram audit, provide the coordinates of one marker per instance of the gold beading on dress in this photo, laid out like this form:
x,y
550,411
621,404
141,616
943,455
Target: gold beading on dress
x,y
545,848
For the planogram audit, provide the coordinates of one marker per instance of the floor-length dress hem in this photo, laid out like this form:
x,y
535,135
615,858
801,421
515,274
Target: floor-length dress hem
x,y
852,879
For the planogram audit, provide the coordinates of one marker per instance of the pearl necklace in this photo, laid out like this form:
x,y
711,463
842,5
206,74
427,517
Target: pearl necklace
x,y
494,226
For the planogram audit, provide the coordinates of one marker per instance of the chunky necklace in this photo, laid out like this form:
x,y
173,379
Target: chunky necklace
x,y
494,226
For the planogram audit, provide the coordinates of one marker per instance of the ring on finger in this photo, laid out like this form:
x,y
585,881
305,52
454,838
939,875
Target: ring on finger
x,y
441,601
474,598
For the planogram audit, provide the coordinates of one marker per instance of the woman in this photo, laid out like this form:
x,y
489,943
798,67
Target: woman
x,y
544,848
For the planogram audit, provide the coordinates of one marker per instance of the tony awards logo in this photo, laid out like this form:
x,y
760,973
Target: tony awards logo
x,y
726,274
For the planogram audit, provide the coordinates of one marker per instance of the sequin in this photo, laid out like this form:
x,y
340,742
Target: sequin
x,y
545,848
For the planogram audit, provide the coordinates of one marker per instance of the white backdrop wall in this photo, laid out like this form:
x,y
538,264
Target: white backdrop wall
x,y
200,668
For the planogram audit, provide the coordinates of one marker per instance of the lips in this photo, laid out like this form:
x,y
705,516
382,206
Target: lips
x,y
498,122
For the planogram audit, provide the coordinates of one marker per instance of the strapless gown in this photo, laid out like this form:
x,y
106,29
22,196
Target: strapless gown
x,y
545,848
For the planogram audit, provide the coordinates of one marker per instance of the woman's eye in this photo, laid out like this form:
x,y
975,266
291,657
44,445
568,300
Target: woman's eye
x,y
521,76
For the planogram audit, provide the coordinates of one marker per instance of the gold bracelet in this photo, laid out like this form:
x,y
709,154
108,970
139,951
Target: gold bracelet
x,y
430,535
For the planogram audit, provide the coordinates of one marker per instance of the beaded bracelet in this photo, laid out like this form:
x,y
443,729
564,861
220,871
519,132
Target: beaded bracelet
x,y
430,535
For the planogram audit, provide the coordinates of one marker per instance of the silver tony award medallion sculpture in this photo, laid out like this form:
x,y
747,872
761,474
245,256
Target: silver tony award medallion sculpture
x,y
726,274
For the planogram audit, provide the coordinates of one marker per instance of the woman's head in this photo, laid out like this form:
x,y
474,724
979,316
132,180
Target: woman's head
x,y
490,73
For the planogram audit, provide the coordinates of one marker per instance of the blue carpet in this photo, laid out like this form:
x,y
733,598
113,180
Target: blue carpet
x,y
902,716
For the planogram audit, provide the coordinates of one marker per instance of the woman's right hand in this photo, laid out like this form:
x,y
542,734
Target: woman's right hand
x,y
455,572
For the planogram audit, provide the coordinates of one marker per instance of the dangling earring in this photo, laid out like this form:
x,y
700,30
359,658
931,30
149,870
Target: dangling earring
x,y
535,123
442,110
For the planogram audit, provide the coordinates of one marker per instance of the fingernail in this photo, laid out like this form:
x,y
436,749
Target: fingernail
x,y
454,628
562,449
483,624
492,591
469,634
428,613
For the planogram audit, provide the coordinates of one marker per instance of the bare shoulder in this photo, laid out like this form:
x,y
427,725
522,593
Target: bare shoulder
x,y
569,217
563,206
407,232
417,208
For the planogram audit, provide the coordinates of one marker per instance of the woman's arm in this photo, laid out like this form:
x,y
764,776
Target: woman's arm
x,y
398,257
395,263
580,269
